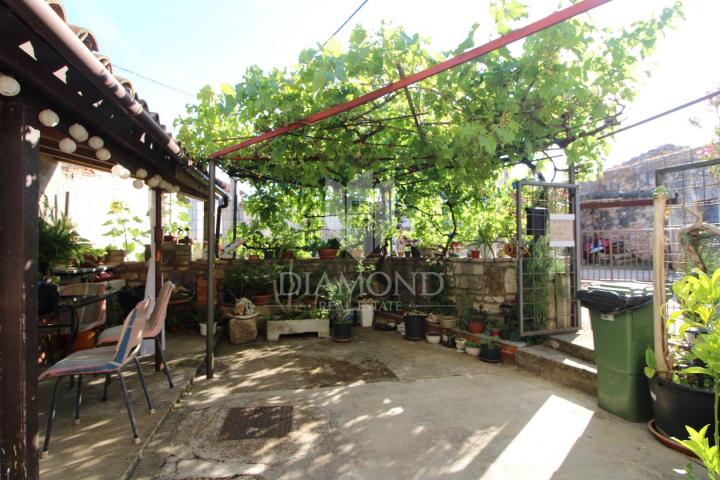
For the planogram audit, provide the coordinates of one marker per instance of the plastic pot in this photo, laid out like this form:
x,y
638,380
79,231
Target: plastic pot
x,y
414,327
491,354
342,332
675,406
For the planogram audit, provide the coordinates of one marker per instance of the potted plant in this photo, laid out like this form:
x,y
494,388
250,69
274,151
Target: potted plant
x,y
254,280
494,330
339,295
125,228
477,323
58,243
328,249
681,396
704,443
490,352
433,337
472,348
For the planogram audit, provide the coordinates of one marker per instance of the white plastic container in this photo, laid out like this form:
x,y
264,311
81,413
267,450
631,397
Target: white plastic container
x,y
367,312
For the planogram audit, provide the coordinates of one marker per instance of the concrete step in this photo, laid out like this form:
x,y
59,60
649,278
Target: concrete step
x,y
558,366
578,344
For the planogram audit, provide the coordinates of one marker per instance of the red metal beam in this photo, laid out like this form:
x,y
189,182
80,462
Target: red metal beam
x,y
515,35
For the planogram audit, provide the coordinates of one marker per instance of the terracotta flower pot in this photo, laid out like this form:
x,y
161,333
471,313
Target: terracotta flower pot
x,y
496,332
262,299
253,258
475,254
476,327
287,255
327,253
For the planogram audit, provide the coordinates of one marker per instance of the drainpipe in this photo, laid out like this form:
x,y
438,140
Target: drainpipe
x,y
218,219
46,23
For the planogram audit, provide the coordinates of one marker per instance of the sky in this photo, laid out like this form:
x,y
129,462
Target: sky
x,y
187,44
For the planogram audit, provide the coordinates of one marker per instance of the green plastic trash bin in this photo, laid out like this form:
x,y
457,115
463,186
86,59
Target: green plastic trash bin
x,y
622,323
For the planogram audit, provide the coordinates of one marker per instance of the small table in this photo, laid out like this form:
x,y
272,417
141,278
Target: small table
x,y
69,305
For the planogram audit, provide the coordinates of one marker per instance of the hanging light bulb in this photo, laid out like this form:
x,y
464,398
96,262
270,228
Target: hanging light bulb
x,y
103,154
116,170
48,118
141,173
95,142
9,87
137,183
67,145
78,132
153,181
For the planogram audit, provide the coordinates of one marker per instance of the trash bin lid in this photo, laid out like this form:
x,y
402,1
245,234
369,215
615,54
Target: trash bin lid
x,y
615,297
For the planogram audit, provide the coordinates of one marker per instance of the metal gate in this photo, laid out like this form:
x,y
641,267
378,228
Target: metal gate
x,y
548,257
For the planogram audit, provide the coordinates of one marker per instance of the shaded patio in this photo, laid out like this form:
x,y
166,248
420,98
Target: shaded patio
x,y
382,407
98,446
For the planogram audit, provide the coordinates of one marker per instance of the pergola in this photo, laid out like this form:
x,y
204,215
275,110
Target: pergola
x,y
57,67
248,165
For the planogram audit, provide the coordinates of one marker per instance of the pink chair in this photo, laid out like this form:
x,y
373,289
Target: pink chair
x,y
105,361
152,330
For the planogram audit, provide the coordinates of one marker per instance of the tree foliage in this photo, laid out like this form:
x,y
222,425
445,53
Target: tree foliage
x,y
444,141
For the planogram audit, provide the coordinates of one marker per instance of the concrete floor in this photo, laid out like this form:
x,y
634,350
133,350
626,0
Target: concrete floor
x,y
384,408
100,446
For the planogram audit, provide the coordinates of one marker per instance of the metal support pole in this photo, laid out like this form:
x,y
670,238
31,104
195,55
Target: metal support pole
x,y
158,238
520,241
20,154
210,321
235,212
576,277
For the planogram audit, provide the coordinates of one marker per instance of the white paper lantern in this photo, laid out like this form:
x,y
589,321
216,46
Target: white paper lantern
x,y
48,118
95,142
78,132
67,145
174,188
141,173
116,170
9,87
153,181
125,174
182,198
165,185
103,154
137,183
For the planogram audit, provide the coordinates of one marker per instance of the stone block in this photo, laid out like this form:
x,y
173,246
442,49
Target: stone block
x,y
510,281
242,330
275,328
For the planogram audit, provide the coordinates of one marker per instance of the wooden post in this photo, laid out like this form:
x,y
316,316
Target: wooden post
x,y
19,161
158,239
660,344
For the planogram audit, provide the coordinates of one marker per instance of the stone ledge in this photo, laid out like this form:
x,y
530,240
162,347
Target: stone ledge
x,y
275,328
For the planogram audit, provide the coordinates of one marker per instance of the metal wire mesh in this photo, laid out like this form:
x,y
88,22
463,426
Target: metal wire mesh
x,y
547,272
694,191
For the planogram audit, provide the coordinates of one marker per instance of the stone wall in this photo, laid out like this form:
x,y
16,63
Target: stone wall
x,y
486,282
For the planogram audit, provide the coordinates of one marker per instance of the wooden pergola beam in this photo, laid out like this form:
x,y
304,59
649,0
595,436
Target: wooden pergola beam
x,y
19,151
